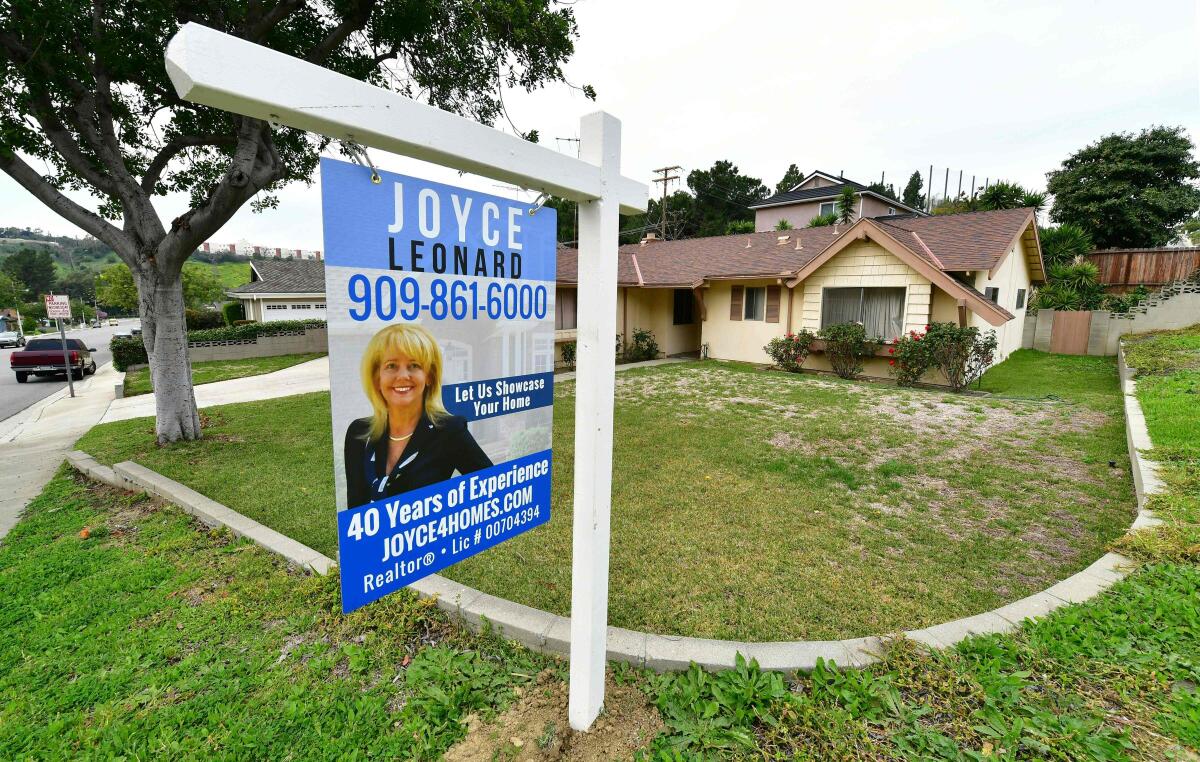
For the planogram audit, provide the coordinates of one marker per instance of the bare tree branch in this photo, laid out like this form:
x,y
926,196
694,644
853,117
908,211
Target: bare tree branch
x,y
173,147
30,180
356,19
255,165
257,30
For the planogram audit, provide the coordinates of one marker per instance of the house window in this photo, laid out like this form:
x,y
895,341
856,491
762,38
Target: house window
x,y
755,306
891,210
564,309
880,310
1020,298
828,207
684,304
992,293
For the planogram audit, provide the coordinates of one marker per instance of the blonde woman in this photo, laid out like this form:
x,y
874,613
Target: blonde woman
x,y
410,440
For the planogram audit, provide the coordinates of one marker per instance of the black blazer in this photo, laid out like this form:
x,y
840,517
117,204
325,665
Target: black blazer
x,y
433,454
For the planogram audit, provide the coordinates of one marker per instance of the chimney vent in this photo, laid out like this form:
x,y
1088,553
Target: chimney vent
x,y
648,238
781,240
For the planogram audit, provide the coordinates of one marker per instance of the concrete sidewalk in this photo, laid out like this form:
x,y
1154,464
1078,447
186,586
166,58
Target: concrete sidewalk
x,y
311,376
35,441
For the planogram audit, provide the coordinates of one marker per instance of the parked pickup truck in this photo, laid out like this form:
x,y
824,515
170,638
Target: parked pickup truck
x,y
44,357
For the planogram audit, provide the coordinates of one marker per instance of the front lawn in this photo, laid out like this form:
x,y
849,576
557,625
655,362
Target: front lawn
x,y
206,372
758,505
155,639
1167,364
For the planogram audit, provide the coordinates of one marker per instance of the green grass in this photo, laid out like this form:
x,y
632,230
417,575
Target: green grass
x,y
206,372
754,505
156,639
231,274
1168,389
1112,679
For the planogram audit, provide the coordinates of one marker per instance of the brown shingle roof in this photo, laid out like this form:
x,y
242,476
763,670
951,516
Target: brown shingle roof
x,y
285,276
972,241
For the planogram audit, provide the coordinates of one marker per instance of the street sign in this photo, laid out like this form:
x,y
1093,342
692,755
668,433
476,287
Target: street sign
x,y
58,306
441,355
222,71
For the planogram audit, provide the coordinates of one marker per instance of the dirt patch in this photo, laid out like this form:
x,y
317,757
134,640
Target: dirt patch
x,y
536,729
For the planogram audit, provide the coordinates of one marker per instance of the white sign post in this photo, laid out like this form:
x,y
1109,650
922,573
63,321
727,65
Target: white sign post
x,y
59,308
215,69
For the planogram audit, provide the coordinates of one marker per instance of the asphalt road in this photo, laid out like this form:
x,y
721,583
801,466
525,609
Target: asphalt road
x,y
16,397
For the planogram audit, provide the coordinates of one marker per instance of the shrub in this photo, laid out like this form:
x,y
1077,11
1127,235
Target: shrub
x,y
620,347
243,322
909,358
790,350
568,354
961,353
1123,303
643,347
821,220
739,226
126,351
846,345
783,225
198,320
249,331
233,312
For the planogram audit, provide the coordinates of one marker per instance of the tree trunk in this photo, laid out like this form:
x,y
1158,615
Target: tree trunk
x,y
164,334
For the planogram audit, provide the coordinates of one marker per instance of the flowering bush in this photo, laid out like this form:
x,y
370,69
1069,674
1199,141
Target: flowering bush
x,y
909,358
961,353
846,345
790,350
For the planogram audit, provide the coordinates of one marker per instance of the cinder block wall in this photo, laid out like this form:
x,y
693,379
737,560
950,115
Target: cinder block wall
x,y
312,340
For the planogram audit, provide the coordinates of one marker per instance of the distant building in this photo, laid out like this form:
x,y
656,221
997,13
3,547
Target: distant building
x,y
283,289
249,250
817,195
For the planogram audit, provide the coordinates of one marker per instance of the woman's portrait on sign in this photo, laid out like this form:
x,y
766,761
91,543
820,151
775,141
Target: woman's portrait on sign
x,y
410,440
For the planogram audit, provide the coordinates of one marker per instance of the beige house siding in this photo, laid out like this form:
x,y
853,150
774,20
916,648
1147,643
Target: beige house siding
x,y
739,339
1012,275
866,263
654,309
800,214
645,308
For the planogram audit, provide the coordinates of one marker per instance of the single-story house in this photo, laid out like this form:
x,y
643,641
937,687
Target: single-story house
x,y
283,289
819,194
725,297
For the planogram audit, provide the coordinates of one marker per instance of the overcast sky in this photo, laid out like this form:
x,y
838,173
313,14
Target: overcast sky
x,y
997,90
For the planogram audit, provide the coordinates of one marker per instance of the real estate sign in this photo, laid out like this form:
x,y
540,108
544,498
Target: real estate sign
x,y
441,356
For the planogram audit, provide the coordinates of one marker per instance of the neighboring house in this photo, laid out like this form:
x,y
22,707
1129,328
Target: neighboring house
x,y
732,294
283,289
818,194
9,320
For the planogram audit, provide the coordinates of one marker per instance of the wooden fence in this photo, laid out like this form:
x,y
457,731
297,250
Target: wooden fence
x,y
1123,269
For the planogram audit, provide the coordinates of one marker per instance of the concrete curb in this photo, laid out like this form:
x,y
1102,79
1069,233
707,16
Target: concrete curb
x,y
135,478
550,633
1146,481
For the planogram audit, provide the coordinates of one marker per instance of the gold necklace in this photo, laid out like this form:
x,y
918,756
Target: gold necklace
x,y
400,439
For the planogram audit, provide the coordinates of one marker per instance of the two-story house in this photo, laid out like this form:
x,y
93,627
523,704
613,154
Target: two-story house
x,y
818,194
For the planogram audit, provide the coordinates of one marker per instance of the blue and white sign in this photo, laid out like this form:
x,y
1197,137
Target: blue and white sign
x,y
440,306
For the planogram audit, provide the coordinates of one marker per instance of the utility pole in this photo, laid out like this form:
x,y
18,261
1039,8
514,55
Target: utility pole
x,y
946,185
666,178
929,191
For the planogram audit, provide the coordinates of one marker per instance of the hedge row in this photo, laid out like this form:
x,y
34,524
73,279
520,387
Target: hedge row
x,y
129,350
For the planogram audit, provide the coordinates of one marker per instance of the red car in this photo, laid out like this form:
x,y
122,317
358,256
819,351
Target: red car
x,y
44,357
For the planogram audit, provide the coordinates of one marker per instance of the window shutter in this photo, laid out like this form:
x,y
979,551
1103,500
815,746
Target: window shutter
x,y
735,302
773,304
